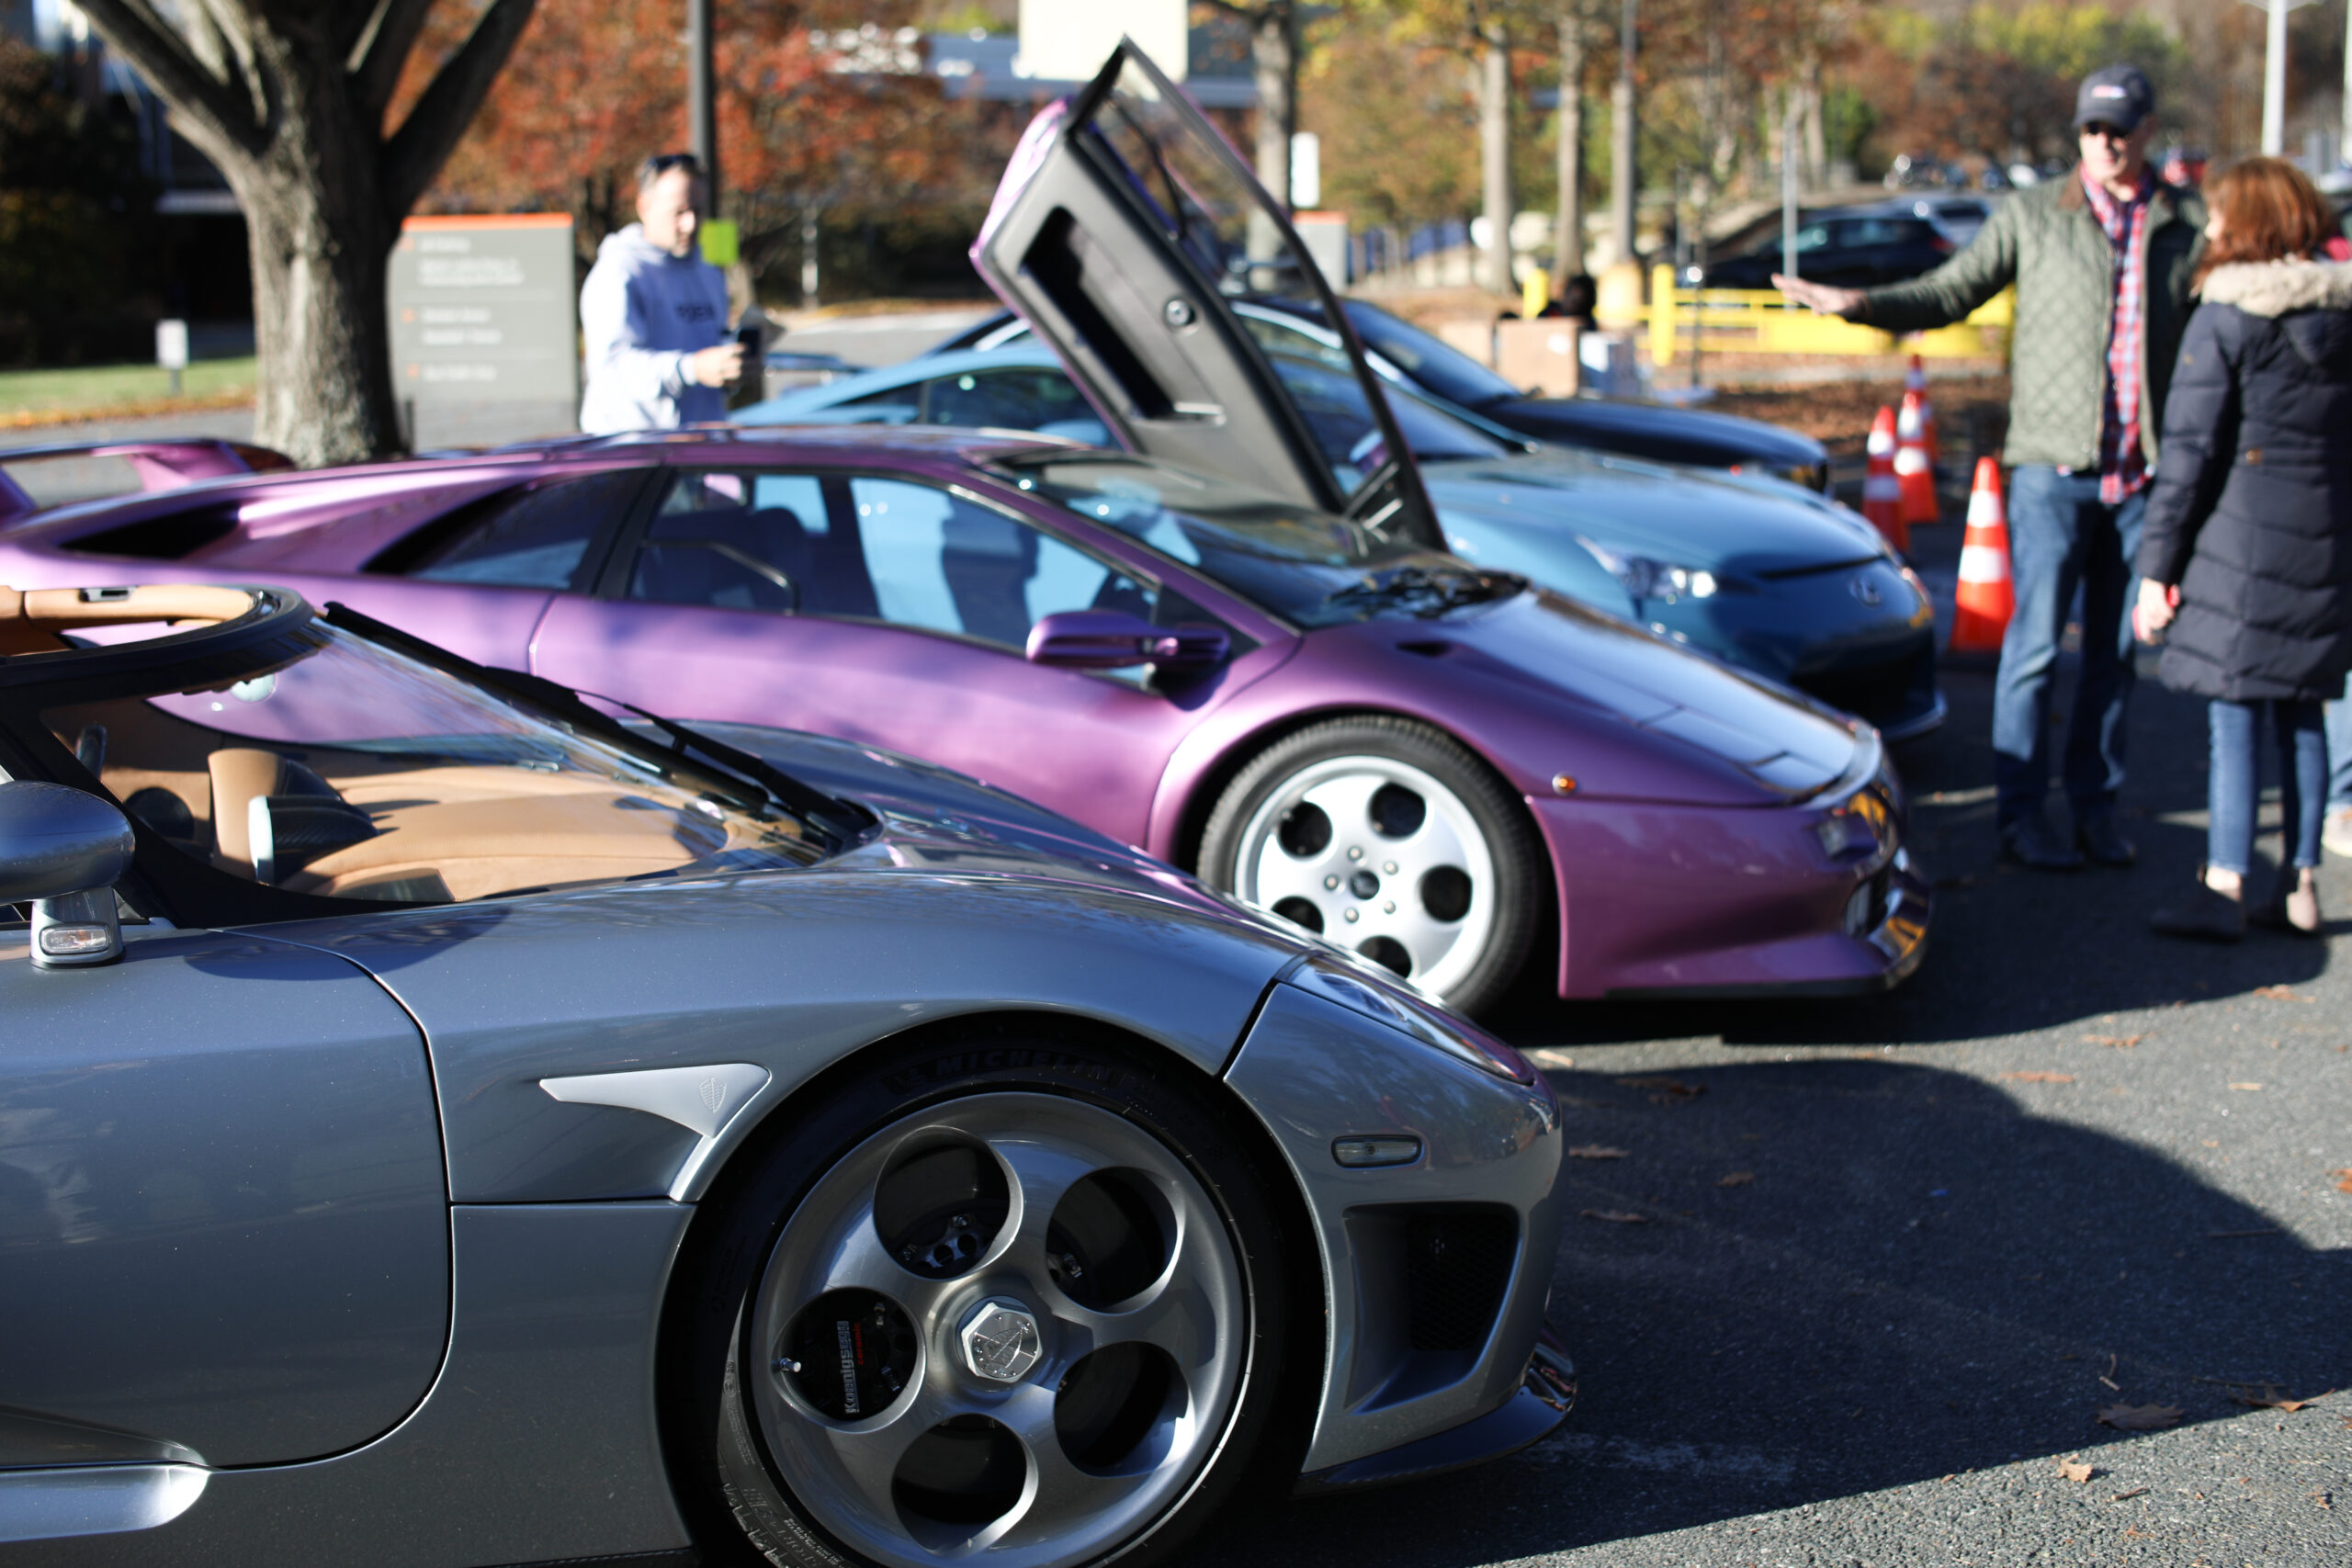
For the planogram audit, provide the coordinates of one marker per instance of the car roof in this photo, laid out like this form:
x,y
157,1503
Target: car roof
x,y
1025,351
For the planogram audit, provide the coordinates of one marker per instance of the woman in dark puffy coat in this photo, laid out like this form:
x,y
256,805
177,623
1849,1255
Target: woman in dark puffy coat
x,y
2247,550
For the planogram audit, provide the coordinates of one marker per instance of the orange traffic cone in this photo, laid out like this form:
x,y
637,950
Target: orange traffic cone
x,y
1882,491
1915,380
1915,474
1987,598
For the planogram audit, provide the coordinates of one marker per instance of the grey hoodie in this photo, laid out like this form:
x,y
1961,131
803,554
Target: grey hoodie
x,y
643,313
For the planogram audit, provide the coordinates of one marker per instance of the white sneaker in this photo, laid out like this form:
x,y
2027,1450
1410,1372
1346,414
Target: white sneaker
x,y
2336,834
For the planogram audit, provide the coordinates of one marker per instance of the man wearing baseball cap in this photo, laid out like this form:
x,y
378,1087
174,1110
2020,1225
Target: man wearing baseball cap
x,y
2102,261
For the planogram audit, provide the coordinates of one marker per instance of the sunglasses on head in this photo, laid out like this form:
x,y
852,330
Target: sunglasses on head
x,y
663,162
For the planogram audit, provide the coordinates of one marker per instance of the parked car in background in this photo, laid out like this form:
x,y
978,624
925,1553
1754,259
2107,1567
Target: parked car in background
x,y
1849,248
423,1092
1773,579
1956,218
1401,353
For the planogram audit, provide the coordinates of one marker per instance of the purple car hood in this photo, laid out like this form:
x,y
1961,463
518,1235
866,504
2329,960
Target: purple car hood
x,y
1560,652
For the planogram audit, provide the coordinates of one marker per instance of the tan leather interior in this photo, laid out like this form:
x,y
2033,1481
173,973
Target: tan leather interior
x,y
31,619
239,775
459,829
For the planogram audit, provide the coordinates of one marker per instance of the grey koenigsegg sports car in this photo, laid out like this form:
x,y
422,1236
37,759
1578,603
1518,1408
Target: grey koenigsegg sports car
x,y
443,1120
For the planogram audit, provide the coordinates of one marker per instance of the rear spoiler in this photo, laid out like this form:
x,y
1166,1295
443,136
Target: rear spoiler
x,y
161,465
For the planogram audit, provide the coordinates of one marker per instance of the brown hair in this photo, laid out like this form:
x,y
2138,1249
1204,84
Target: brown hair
x,y
2269,210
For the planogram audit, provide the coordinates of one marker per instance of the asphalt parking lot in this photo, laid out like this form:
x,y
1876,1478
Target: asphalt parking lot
x,y
1866,1272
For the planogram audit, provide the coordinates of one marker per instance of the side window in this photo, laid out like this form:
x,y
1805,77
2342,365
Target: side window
x,y
892,405
1025,399
534,535
743,541
944,564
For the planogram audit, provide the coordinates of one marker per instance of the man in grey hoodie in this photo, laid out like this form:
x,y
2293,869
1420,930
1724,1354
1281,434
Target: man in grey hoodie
x,y
654,313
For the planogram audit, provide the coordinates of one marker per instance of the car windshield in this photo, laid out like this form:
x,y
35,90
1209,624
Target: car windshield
x,y
355,771
1434,363
1311,568
1339,416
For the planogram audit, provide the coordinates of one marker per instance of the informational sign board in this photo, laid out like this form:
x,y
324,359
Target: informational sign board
x,y
484,310
1067,40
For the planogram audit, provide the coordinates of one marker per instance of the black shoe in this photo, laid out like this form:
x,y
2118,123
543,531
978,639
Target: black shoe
x,y
2103,841
2202,913
2031,842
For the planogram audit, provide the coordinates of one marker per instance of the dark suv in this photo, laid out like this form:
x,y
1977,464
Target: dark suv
x,y
1849,251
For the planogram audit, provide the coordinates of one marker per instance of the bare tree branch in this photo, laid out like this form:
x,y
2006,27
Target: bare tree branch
x,y
353,27
416,152
211,103
397,24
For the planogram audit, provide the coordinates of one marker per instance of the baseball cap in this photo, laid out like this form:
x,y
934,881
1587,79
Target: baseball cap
x,y
2119,95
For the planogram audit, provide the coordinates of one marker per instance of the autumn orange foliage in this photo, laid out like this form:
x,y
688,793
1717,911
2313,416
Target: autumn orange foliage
x,y
592,89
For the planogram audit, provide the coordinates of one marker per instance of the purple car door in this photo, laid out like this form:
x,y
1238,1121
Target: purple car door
x,y
883,609
1123,228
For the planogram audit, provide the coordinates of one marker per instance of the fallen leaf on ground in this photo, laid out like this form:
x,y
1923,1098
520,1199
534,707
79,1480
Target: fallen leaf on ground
x,y
2139,1417
2344,1179
2127,1496
2040,1078
2268,1399
1674,1087
2077,1470
2120,1042
2324,1500
1615,1216
1737,1179
1594,1151
2249,1087
2281,994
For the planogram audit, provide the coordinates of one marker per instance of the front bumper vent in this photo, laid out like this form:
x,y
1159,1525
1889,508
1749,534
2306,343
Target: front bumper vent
x,y
1457,1265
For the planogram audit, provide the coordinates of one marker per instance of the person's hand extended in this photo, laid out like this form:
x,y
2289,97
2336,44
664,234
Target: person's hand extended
x,y
719,365
1824,298
2157,606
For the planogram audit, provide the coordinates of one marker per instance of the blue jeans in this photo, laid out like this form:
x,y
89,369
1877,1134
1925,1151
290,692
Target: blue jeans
x,y
2339,755
2234,788
2061,535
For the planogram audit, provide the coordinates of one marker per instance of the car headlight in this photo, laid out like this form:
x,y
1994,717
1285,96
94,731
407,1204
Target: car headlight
x,y
1645,577
1362,990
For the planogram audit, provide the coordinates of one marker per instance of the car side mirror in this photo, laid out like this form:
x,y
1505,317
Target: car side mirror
x,y
64,850
1113,640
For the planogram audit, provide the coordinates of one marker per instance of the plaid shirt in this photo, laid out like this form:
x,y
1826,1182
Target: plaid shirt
x,y
2123,462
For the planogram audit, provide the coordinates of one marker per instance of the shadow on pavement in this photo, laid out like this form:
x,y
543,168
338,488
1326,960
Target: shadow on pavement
x,y
1941,1281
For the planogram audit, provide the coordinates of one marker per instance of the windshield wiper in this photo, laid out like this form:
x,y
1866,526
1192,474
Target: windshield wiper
x,y
1429,591
842,820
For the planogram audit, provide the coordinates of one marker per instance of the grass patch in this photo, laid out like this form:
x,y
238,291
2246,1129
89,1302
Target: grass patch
x,y
97,388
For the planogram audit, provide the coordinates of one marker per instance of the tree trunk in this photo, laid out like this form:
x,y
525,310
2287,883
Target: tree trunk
x,y
288,101
1567,233
1816,143
320,248
1625,178
1274,53
1494,157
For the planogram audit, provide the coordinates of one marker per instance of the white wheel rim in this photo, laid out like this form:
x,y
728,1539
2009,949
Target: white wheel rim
x,y
1193,1311
1369,887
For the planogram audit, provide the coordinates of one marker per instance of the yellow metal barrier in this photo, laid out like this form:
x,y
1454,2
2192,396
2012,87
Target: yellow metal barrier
x,y
1761,321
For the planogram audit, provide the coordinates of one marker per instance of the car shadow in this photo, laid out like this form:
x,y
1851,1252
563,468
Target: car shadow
x,y
1810,1306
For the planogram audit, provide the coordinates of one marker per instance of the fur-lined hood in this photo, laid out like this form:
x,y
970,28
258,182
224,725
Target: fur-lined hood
x,y
2277,289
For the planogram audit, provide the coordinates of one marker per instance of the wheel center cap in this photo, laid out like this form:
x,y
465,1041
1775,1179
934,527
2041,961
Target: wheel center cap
x,y
1000,1341
1363,884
